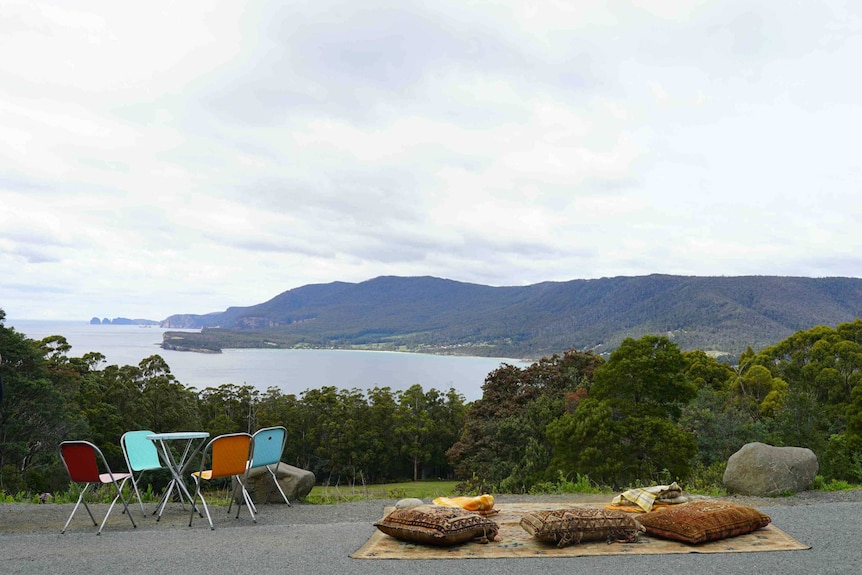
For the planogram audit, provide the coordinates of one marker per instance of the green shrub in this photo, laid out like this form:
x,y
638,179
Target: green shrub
x,y
563,485
843,458
707,479
821,484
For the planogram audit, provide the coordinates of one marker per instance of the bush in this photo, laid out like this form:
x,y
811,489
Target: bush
x,y
708,479
843,459
582,484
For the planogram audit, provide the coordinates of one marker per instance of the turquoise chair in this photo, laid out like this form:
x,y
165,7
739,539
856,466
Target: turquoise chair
x,y
269,445
141,455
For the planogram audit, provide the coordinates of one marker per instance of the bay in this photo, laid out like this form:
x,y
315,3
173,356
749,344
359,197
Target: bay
x,y
291,371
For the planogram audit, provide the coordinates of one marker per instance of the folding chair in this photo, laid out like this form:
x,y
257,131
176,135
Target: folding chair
x,y
80,459
269,445
141,455
230,455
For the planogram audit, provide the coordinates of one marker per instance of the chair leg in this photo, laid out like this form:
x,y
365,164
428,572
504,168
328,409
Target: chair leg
x,y
204,501
138,493
246,497
252,510
125,505
275,480
81,493
233,496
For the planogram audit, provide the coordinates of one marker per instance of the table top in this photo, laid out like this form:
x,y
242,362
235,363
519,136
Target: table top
x,y
179,435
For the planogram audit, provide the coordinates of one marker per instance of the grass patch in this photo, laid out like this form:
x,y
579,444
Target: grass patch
x,y
426,490
565,485
820,484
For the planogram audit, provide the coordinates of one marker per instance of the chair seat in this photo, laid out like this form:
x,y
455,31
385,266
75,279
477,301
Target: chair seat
x,y
106,477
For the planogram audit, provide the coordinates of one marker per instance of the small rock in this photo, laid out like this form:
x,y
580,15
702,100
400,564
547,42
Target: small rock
x,y
408,503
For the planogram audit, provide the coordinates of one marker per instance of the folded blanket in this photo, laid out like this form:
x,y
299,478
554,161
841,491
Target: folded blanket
x,y
480,503
645,498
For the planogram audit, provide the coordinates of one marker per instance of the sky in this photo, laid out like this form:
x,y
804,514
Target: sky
x,y
168,157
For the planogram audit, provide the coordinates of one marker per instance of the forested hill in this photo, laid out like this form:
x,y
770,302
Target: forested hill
x,y
722,314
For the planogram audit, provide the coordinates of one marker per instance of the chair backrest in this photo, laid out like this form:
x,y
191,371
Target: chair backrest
x,y
141,453
268,446
230,454
79,457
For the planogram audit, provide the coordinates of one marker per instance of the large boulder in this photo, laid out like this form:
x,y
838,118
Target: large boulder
x,y
295,482
764,470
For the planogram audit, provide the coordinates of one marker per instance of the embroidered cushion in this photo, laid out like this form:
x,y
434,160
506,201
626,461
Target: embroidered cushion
x,y
701,521
437,525
570,526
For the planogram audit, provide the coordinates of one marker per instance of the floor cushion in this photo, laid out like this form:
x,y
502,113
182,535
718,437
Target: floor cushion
x,y
437,525
701,521
570,526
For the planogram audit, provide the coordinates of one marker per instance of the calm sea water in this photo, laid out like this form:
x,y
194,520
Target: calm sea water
x,y
292,371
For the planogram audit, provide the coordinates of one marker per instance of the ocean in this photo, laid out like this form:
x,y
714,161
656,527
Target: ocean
x,y
291,371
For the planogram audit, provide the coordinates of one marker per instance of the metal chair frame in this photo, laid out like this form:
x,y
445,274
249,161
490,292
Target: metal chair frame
x,y
230,454
268,452
141,455
82,464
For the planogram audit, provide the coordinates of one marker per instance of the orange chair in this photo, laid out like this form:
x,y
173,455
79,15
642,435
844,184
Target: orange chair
x,y
80,459
230,456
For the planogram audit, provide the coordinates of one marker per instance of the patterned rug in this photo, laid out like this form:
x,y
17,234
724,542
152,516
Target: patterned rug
x,y
515,542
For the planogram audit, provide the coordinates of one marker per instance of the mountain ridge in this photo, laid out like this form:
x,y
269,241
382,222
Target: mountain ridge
x,y
721,314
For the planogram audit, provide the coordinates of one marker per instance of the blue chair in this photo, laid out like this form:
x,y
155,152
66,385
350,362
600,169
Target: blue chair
x,y
80,459
141,455
269,445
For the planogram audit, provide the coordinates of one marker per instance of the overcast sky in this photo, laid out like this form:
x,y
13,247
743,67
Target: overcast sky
x,y
171,157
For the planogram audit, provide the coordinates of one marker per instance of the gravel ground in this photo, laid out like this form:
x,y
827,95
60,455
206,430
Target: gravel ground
x,y
319,539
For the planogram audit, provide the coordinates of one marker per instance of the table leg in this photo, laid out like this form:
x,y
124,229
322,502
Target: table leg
x,y
177,468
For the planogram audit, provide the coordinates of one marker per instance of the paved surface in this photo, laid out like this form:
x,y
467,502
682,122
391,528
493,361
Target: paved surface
x,y
311,539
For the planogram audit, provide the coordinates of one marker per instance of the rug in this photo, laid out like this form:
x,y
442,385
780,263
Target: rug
x,y
515,542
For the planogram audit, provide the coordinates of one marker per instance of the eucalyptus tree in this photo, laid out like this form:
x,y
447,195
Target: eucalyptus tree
x,y
822,367
380,420
319,418
36,413
416,427
427,423
716,419
503,443
627,429
277,408
167,405
229,408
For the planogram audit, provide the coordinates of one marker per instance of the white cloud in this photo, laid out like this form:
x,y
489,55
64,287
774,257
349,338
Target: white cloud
x,y
186,157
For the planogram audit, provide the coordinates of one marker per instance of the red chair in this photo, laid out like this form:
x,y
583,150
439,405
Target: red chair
x,y
80,459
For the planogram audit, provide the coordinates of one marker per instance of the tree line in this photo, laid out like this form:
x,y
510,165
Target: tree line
x,y
647,413
651,413
342,435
